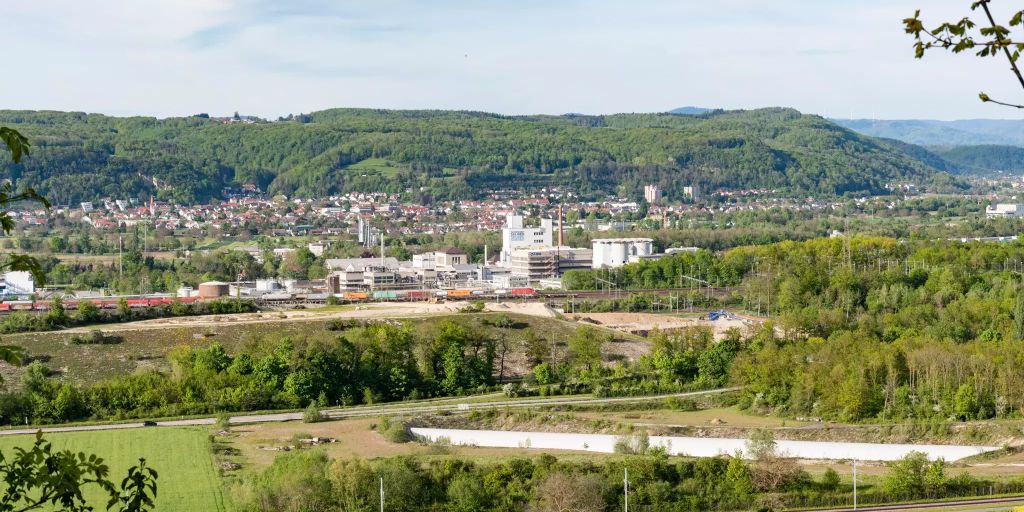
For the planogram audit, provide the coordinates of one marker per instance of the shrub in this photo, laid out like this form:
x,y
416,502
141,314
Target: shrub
x,y
395,432
223,423
96,337
312,414
512,390
475,306
830,481
636,444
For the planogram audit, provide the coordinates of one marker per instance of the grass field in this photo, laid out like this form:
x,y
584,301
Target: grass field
x,y
724,416
188,481
374,166
357,440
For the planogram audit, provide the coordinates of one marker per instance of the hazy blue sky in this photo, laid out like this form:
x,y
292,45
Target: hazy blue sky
x,y
272,57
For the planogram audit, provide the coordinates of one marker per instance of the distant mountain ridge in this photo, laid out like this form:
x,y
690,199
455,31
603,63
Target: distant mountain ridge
x,y
690,111
966,132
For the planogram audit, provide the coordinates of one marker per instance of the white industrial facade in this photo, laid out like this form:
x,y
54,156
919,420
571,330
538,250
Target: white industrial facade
x,y
17,282
616,252
550,262
515,236
1004,210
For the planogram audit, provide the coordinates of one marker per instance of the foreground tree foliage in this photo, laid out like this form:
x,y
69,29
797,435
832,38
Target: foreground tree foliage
x,y
985,37
41,478
18,146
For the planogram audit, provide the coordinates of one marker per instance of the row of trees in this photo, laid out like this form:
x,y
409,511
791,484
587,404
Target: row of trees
x,y
309,480
378,362
87,313
371,363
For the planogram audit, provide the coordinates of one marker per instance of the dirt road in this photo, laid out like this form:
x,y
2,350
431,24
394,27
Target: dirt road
x,y
643,323
368,411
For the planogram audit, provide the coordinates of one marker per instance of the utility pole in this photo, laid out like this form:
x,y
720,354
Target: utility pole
x,y
625,488
855,484
381,494
120,258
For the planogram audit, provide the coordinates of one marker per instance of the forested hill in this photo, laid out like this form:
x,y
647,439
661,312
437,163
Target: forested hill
x,y
985,158
445,154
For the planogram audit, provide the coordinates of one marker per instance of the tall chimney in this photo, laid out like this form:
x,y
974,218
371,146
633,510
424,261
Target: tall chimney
x,y
485,255
382,249
560,230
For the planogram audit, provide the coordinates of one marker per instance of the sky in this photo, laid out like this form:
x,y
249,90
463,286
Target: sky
x,y
838,58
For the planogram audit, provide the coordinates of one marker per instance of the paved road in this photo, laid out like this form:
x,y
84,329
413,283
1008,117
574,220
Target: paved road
x,y
455,404
982,504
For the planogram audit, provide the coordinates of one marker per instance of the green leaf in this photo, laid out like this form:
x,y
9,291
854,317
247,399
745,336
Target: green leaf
x,y
16,143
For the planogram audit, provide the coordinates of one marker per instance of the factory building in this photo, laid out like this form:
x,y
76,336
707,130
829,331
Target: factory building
x,y
552,262
515,236
1002,210
17,282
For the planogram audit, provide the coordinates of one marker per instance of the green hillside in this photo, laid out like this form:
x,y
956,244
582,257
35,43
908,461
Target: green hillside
x,y
985,158
449,154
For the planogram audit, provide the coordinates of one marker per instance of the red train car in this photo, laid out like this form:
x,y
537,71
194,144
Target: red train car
x,y
522,292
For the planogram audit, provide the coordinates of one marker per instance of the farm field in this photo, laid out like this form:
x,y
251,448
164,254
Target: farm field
x,y
188,481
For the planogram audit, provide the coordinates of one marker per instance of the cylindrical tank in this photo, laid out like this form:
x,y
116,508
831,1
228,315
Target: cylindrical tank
x,y
213,289
266,285
620,253
646,248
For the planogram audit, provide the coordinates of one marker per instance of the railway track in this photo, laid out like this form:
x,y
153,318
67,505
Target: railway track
x,y
984,503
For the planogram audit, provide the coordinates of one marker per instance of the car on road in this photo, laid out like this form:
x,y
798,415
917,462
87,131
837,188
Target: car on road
x,y
149,423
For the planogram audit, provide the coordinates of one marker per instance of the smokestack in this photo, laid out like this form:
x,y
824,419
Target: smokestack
x,y
560,230
382,249
485,255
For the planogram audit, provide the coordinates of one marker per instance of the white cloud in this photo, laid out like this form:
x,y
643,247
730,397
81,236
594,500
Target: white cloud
x,y
177,57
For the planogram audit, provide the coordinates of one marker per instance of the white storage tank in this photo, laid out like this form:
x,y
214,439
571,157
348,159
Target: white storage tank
x,y
267,285
616,252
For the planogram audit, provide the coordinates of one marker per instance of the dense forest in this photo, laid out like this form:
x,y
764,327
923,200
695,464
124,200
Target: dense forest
x,y
444,154
868,328
984,158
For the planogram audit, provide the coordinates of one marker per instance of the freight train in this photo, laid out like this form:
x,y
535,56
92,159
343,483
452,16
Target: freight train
x,y
137,302
404,295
